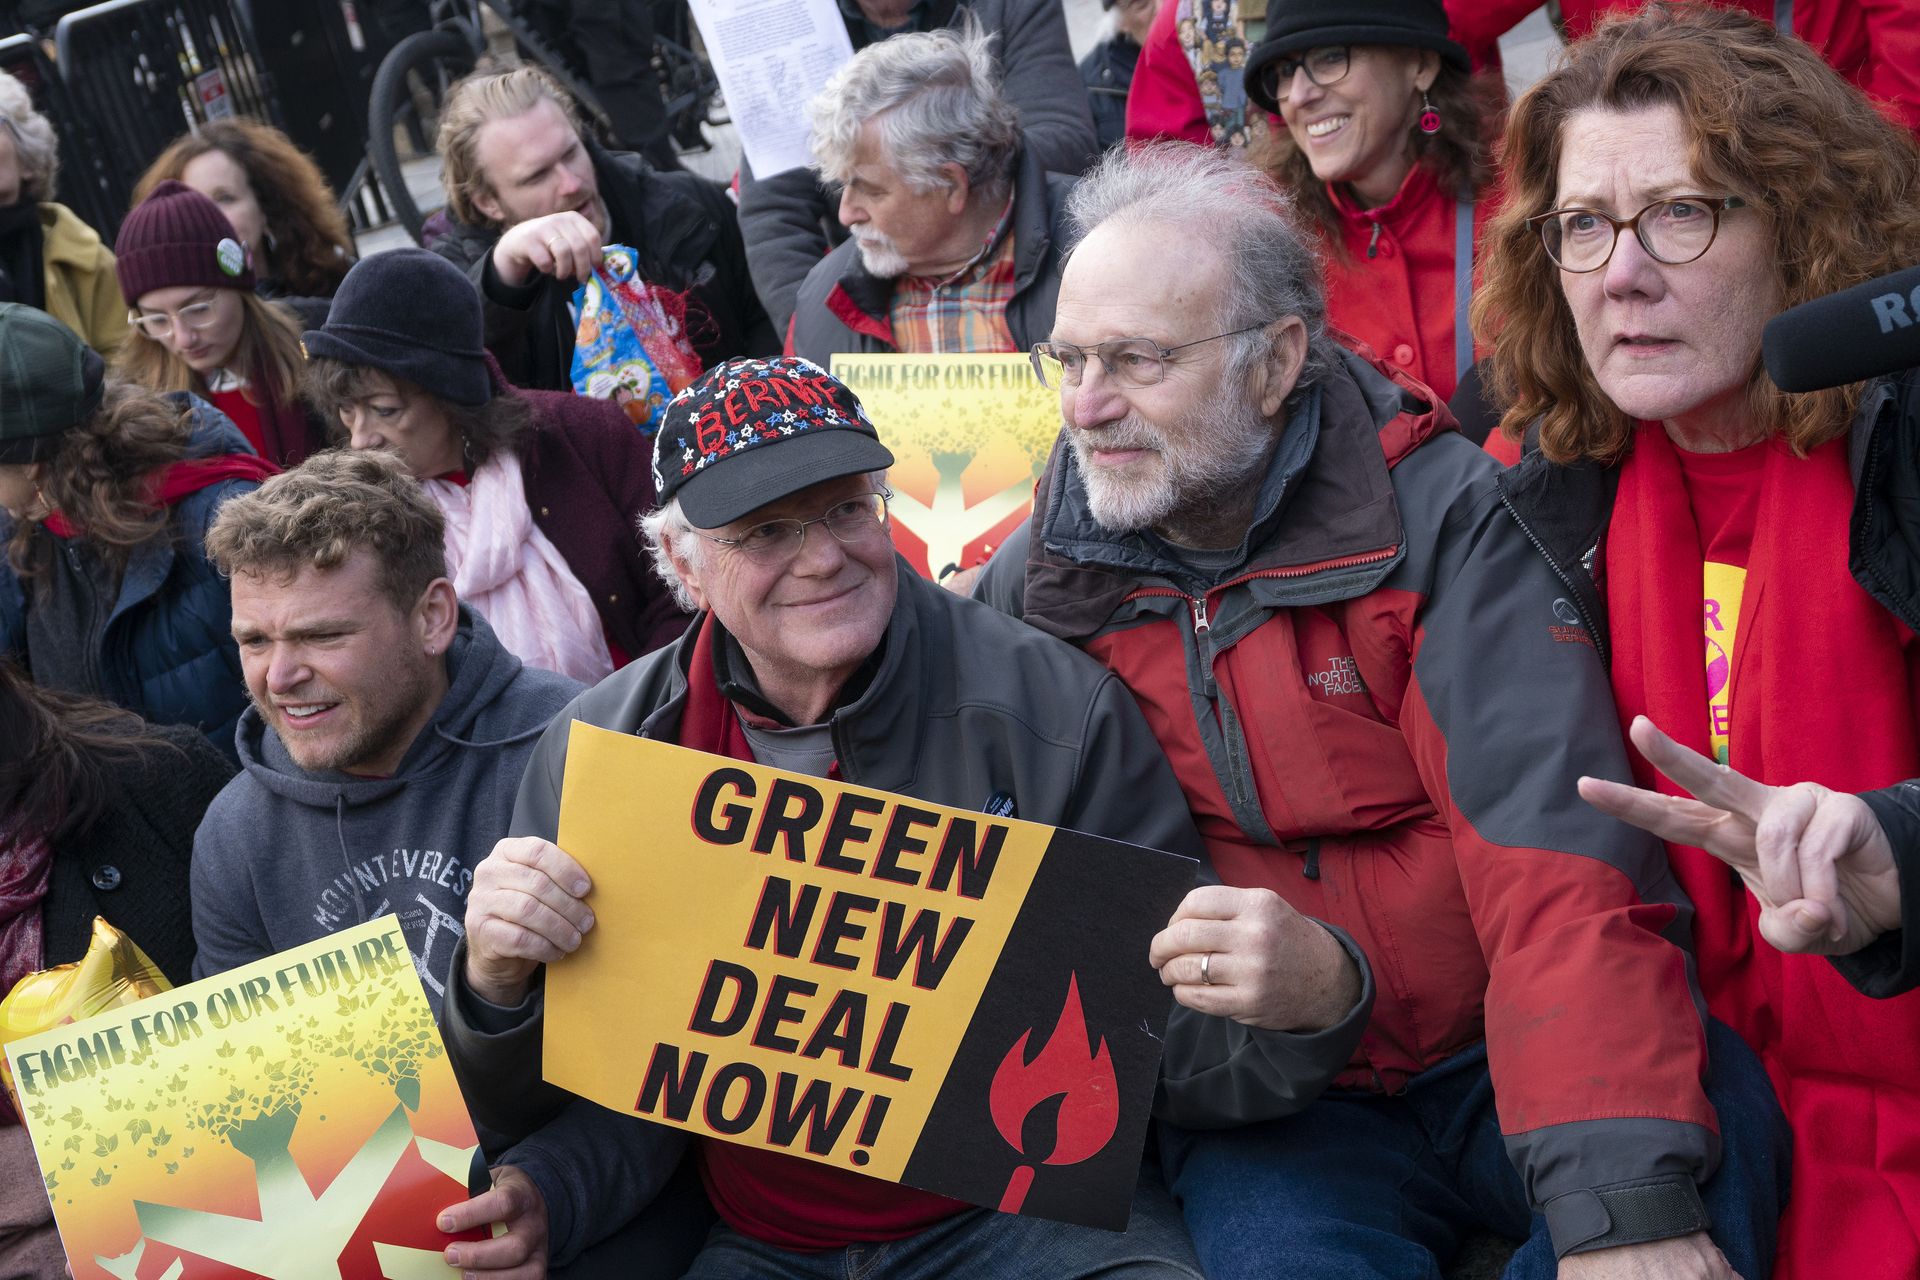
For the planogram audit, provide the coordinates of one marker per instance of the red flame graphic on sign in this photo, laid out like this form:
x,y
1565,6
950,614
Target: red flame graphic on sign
x,y
1083,1080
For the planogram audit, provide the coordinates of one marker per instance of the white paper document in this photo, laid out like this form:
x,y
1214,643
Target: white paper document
x,y
772,57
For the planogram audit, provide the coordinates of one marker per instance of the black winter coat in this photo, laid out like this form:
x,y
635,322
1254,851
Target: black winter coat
x,y
131,864
688,239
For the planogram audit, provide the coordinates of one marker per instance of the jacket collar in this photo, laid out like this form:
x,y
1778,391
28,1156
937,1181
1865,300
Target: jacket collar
x,y
1417,189
1326,507
863,301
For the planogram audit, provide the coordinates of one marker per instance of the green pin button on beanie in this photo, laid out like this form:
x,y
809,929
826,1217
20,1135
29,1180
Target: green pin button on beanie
x,y
50,382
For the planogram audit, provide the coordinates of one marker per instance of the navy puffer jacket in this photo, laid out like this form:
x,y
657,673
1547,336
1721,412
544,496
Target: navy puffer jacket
x,y
167,651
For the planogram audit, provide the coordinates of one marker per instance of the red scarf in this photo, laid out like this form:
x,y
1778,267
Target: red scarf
x,y
177,480
782,1199
1823,690
26,865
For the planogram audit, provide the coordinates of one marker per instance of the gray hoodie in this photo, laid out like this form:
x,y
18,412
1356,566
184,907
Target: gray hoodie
x,y
285,856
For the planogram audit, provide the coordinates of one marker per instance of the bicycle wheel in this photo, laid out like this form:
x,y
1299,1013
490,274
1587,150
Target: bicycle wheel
x,y
408,91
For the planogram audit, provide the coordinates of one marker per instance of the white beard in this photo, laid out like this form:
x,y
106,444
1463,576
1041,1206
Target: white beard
x,y
878,255
1220,446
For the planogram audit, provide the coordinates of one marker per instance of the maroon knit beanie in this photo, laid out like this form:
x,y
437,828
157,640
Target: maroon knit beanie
x,y
176,236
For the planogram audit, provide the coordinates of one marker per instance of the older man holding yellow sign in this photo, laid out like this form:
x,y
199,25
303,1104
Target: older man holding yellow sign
x,y
853,962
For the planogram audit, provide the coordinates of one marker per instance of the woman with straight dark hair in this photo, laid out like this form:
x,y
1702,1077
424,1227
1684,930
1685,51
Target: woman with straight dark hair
x,y
97,815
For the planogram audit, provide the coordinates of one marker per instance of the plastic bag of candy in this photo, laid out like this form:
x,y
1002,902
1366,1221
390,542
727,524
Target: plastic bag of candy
x,y
631,346
115,971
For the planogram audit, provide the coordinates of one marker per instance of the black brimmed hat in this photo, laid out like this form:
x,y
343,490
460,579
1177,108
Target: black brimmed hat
x,y
1294,26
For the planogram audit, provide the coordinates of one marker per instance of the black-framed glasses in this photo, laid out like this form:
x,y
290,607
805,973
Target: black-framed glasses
x,y
777,541
1674,231
1132,362
1325,66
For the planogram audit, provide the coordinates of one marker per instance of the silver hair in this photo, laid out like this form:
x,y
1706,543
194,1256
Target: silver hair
x,y
33,137
934,97
1210,195
670,522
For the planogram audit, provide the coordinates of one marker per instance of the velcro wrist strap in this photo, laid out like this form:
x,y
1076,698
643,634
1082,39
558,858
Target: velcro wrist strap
x,y
1630,1213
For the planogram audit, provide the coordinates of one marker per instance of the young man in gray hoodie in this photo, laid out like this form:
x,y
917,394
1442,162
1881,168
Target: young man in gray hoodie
x,y
388,731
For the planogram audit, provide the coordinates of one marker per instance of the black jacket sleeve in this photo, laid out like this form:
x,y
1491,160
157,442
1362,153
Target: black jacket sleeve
x,y
1890,965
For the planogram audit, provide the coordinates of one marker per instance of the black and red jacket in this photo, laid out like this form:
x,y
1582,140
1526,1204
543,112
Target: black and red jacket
x,y
1343,740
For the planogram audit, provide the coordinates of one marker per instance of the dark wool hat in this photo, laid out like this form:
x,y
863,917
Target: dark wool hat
x,y
410,314
1294,26
174,237
50,382
752,431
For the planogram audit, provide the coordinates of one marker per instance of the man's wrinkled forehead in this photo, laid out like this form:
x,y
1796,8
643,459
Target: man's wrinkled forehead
x,y
1136,281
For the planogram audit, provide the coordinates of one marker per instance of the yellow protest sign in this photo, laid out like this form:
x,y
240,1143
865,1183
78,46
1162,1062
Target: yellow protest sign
x,y
293,1118
857,978
970,435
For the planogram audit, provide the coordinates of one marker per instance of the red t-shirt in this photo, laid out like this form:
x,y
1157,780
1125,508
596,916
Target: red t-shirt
x,y
1723,490
245,415
798,1204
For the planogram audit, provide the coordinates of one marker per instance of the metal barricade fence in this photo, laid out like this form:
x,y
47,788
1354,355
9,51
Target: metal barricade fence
x,y
80,185
140,73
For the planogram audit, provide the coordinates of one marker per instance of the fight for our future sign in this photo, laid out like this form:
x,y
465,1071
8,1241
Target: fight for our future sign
x,y
941,997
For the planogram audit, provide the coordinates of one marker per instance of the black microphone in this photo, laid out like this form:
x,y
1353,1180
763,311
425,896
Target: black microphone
x,y
1863,332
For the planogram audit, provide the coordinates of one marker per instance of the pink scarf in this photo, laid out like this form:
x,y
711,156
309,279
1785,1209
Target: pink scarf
x,y
506,568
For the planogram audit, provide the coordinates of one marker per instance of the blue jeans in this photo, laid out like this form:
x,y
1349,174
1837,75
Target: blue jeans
x,y
980,1242
1362,1185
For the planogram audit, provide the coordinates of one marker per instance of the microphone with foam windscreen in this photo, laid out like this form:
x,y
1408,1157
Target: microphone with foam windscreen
x,y
1863,332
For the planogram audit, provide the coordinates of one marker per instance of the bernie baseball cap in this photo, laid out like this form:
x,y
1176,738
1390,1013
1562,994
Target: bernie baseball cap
x,y
752,431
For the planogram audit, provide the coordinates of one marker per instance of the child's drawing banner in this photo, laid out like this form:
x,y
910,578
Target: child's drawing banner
x,y
281,1119
970,436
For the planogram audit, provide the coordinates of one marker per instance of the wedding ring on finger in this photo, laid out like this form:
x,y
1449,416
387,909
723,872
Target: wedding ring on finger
x,y
1206,969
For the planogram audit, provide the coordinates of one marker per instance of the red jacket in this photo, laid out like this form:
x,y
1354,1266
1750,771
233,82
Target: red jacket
x,y
1875,44
1391,281
1342,741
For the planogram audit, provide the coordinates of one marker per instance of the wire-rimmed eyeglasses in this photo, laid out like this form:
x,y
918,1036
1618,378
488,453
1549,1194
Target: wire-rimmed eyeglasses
x,y
852,521
1132,362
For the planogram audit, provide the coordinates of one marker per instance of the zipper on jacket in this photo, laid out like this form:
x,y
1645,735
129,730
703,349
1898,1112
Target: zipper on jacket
x,y
1311,867
1200,622
1373,241
1566,580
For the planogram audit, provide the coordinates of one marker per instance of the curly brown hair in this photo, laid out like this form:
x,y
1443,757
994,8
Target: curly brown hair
x,y
484,429
319,514
98,477
1458,156
268,353
1767,119
311,247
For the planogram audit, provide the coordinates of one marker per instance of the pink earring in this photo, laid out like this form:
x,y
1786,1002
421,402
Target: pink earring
x,y
1429,118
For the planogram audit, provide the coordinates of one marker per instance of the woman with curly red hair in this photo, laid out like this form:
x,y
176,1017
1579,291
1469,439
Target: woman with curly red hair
x,y
1684,175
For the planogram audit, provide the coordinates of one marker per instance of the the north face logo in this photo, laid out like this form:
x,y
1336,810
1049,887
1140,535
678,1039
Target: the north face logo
x,y
1342,675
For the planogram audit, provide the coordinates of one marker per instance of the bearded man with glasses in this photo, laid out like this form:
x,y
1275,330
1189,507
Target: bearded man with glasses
x,y
818,649
1300,569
